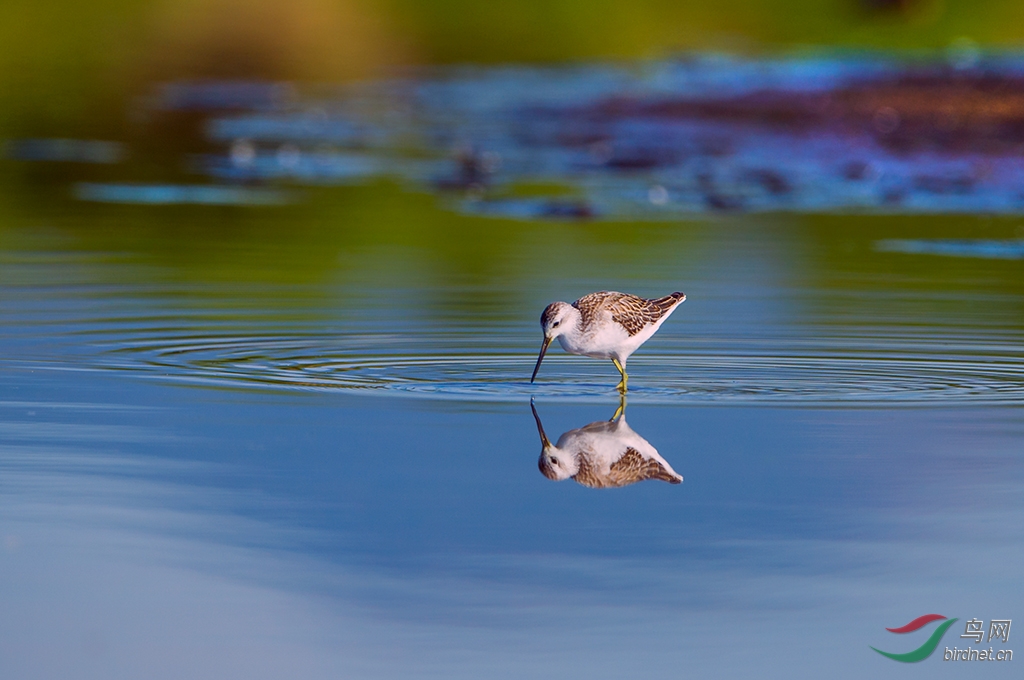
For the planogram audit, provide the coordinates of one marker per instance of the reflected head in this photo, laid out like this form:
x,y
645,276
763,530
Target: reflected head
x,y
556,466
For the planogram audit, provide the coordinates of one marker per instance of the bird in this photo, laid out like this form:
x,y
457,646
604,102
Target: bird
x,y
605,325
604,454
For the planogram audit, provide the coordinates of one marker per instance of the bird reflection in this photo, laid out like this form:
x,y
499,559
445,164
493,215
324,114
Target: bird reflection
x,y
604,454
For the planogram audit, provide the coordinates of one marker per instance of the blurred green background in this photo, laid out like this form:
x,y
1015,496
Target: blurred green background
x,y
67,67
72,70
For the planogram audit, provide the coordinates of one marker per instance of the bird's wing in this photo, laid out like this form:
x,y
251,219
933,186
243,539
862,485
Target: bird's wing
x,y
588,475
633,467
591,306
630,311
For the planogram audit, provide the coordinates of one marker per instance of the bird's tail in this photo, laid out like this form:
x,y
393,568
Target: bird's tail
x,y
669,301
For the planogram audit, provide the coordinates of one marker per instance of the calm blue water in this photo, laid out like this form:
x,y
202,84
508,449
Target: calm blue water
x,y
220,478
294,439
172,531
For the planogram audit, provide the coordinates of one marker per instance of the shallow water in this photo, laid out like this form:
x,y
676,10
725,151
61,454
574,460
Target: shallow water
x,y
296,440
753,330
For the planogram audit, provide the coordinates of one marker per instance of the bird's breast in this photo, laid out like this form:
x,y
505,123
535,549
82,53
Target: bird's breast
x,y
601,343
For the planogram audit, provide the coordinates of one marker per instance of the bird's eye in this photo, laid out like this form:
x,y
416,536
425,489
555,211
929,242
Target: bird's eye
x,y
554,461
555,324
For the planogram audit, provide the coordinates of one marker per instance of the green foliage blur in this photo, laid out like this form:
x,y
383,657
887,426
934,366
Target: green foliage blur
x,y
71,69
67,67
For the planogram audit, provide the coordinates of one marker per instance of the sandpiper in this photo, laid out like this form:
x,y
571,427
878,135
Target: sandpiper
x,y
604,454
605,325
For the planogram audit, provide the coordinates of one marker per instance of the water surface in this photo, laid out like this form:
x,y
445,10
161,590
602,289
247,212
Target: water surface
x,y
295,439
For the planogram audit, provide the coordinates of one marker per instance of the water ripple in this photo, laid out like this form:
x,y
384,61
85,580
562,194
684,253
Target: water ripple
x,y
986,248
821,371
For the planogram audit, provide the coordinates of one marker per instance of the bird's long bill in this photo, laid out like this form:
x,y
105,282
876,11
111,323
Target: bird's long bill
x,y
540,428
543,351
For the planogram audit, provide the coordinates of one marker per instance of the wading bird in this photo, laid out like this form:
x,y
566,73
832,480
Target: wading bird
x,y
605,325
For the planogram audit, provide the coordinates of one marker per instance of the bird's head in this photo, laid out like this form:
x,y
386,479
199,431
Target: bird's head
x,y
554,463
557,318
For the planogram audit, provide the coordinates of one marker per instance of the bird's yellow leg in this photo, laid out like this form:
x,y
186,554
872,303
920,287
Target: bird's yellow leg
x,y
625,378
621,410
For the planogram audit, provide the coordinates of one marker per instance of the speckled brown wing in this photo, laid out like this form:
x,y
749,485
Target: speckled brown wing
x,y
587,475
590,306
633,467
632,312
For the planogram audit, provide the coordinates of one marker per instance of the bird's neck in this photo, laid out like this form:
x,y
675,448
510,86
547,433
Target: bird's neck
x,y
571,339
574,329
